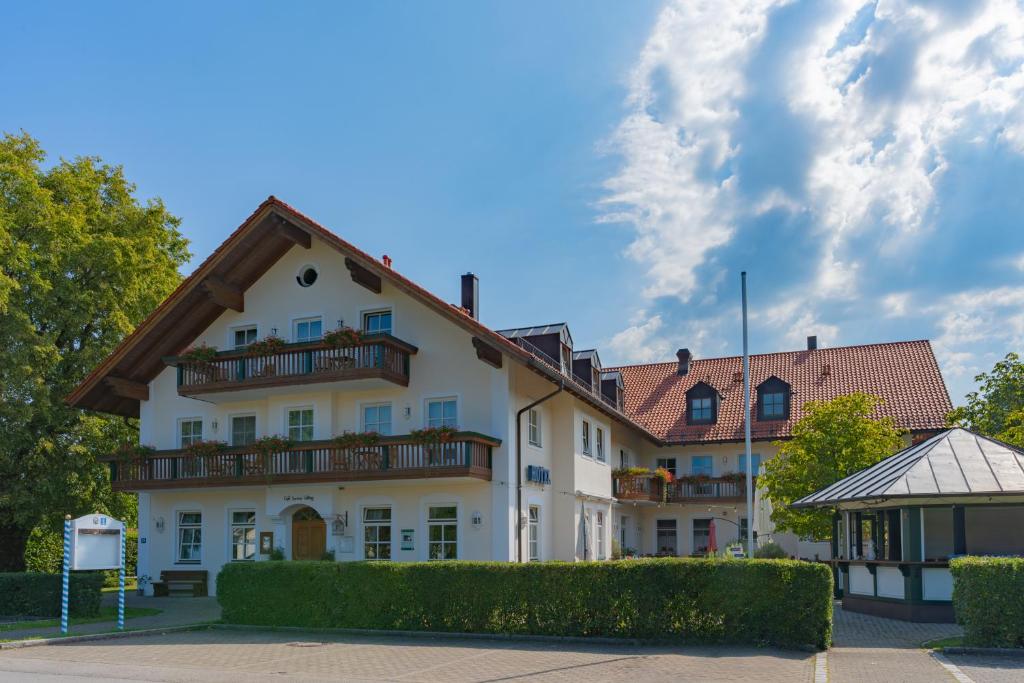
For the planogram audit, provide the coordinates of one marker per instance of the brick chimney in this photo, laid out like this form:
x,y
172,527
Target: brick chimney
x,y
684,357
471,295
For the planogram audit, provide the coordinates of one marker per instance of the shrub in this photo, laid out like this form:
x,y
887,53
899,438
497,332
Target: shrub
x,y
770,551
784,603
34,594
988,598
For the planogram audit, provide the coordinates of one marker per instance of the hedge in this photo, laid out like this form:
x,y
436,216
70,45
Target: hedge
x,y
988,598
44,552
34,594
764,602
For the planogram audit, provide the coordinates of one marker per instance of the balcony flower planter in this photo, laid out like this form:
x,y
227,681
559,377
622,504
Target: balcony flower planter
x,y
201,354
630,472
267,346
357,440
133,454
432,436
343,338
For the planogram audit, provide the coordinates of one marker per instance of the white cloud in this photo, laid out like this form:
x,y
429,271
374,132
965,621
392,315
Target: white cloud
x,y
978,319
639,343
896,305
793,321
881,90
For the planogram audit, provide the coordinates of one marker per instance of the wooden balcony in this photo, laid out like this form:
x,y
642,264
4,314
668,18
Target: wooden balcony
x,y
467,454
646,487
378,356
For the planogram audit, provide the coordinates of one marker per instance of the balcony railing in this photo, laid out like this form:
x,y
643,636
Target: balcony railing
x,y
467,454
377,356
650,488
580,383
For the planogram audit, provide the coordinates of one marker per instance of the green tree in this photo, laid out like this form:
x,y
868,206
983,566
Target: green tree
x,y
997,408
832,440
82,261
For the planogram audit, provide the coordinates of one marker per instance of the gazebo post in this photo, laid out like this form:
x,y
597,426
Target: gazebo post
x,y
959,530
912,584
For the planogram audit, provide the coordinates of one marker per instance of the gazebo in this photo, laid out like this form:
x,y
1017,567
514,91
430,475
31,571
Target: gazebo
x,y
898,522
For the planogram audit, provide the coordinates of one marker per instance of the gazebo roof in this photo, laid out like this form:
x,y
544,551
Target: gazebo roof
x,y
954,463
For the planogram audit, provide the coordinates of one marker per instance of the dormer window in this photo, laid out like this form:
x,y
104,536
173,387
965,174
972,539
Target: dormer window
x,y
702,404
773,399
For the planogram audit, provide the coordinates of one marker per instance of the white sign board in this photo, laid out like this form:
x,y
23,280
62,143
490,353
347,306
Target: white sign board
x,y
96,542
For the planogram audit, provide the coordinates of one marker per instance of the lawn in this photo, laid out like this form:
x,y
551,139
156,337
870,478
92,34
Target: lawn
x,y
108,613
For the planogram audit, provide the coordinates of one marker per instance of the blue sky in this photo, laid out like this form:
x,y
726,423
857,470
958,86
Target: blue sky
x,y
612,164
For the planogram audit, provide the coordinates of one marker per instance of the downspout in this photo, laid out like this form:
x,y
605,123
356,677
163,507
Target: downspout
x,y
519,467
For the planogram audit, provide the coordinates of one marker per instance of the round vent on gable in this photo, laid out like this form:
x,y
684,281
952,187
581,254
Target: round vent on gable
x,y
307,276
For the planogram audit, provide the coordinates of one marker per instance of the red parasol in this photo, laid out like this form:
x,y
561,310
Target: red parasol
x,y
712,538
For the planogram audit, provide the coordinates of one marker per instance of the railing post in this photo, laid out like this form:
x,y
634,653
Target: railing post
x,y
174,467
240,369
181,374
309,461
385,457
238,465
468,447
307,362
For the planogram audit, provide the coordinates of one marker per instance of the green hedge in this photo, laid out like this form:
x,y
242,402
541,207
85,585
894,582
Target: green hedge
x,y
44,552
775,602
988,597
35,594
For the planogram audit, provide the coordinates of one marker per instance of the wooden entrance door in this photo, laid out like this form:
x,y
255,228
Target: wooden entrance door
x,y
309,535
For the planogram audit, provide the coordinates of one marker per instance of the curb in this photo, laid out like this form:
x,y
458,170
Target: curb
x,y
37,642
997,651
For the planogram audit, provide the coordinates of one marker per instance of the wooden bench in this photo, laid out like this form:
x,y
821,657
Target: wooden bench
x,y
172,581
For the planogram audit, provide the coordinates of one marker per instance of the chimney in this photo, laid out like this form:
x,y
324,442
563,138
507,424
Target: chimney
x,y
684,361
812,343
471,295
387,260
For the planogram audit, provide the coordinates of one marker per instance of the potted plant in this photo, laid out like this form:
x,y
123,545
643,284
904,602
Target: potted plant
x,y
267,346
431,436
349,440
343,337
265,447
133,455
201,353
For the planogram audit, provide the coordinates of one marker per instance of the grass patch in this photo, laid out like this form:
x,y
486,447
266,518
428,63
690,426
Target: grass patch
x,y
108,613
129,587
939,643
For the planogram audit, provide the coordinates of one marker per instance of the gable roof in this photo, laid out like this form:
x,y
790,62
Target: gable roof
x,y
263,238
954,463
905,375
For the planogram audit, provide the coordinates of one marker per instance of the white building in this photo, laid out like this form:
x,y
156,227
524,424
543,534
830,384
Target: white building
x,y
421,363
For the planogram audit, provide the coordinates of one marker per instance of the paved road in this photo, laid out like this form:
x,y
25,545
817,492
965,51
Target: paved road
x,y
866,649
219,655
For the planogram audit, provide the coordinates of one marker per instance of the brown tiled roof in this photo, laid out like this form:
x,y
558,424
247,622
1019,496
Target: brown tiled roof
x,y
904,375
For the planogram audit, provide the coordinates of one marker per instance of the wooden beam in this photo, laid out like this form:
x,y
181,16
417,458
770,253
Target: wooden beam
x,y
487,353
362,275
293,233
224,294
127,388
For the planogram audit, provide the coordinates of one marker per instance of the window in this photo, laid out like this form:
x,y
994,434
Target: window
x,y
773,399
600,535
624,459
534,533
300,424
773,405
566,360
668,464
190,431
534,427
586,438
742,537
588,540
442,533
190,537
307,329
377,533
701,464
599,443
700,409
442,412
666,537
701,535
377,418
243,535
377,322
755,463
243,430
701,404
623,522
243,336
307,276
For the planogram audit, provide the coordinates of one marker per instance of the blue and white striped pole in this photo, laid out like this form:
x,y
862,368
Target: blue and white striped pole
x,y
67,574
120,586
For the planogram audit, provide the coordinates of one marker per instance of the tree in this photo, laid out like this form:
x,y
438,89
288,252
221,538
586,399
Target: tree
x,y
832,440
997,410
82,261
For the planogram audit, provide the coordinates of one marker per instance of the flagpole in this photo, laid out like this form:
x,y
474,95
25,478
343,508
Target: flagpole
x,y
746,423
